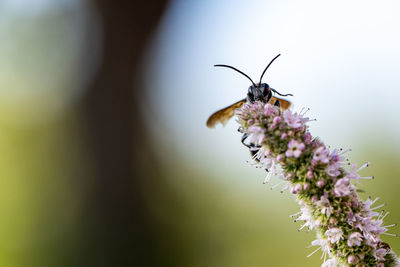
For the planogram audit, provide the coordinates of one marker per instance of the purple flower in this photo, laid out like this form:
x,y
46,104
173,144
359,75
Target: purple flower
x,y
306,216
367,204
325,206
351,259
371,230
334,235
320,183
256,134
269,110
297,188
330,263
307,138
354,239
333,170
277,120
266,162
280,157
314,199
306,186
380,254
353,173
293,120
342,187
336,157
294,149
351,219
321,155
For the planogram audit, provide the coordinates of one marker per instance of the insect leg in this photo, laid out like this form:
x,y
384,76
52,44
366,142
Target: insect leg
x,y
244,137
253,148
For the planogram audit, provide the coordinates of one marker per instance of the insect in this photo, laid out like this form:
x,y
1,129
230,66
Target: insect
x,y
256,92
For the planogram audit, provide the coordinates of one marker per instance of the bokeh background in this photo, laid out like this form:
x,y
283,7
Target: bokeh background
x,y
105,157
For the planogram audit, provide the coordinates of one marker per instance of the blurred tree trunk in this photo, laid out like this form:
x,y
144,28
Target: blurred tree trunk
x,y
119,230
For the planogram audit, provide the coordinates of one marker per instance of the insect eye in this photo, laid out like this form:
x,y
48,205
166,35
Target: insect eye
x,y
250,91
264,89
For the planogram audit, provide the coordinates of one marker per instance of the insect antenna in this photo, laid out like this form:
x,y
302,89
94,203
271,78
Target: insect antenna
x,y
227,66
273,90
268,66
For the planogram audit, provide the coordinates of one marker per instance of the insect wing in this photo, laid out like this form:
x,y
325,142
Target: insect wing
x,y
284,104
223,115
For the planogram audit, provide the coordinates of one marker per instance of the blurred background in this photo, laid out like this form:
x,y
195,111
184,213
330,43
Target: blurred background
x,y
105,157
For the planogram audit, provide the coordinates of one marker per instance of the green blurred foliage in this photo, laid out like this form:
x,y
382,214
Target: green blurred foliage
x,y
42,188
43,161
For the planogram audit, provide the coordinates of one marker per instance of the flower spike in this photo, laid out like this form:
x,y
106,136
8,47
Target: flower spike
x,y
348,229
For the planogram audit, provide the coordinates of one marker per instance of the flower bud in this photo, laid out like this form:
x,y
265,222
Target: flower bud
x,y
332,220
277,120
306,186
318,222
307,138
314,199
296,188
351,259
293,190
320,183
